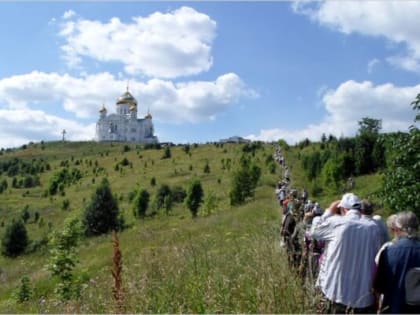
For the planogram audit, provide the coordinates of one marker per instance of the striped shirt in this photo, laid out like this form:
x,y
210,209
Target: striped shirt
x,y
346,274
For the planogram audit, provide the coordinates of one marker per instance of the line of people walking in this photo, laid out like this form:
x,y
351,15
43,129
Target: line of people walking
x,y
347,252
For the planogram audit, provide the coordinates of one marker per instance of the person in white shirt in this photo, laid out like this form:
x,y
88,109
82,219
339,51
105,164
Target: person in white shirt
x,y
367,214
346,274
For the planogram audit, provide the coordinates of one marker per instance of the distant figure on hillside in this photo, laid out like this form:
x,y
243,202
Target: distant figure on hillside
x,y
351,183
346,272
304,195
395,262
286,174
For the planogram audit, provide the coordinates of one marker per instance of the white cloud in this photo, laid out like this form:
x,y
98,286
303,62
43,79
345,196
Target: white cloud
x,y
408,63
68,14
371,64
171,102
396,21
19,126
348,104
81,96
192,101
163,45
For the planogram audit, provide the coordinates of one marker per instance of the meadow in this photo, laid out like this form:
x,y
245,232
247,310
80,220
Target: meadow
x,y
227,260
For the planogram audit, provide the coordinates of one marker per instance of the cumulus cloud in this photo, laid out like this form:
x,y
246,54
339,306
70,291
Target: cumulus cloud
x,y
191,101
348,104
68,14
162,45
396,21
408,63
81,96
19,126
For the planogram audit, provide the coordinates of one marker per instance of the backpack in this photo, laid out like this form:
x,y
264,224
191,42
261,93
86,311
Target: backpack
x,y
412,286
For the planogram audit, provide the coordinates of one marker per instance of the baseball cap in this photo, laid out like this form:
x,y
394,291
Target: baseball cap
x,y
350,201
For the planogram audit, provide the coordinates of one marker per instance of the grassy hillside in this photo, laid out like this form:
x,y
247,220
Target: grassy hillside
x,y
227,260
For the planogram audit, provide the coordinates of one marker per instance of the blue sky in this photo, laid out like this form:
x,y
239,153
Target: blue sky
x,y
206,71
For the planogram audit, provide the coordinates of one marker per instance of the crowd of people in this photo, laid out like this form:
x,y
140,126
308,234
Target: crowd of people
x,y
357,262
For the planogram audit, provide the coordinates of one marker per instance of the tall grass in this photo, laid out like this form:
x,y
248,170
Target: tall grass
x,y
230,273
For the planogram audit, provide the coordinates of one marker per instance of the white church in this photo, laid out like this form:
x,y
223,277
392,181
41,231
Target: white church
x,y
124,125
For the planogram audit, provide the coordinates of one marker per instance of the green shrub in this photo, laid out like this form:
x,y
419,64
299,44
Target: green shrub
x,y
195,196
178,194
24,291
66,204
244,182
206,168
25,214
163,192
141,203
63,258
15,239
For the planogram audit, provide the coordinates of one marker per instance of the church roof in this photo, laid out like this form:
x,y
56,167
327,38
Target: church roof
x,y
127,98
103,109
148,116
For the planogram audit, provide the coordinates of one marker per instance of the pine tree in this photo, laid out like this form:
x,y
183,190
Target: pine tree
x,y
244,182
167,154
161,194
63,258
15,239
24,291
195,196
102,213
141,203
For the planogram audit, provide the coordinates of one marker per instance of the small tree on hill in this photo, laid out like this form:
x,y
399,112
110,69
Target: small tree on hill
x,y
25,215
141,203
178,194
102,213
167,153
365,142
207,168
195,196
162,193
15,239
332,173
63,258
244,182
24,291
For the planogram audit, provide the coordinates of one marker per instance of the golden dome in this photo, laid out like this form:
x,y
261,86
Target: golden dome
x,y
103,109
133,108
127,98
148,116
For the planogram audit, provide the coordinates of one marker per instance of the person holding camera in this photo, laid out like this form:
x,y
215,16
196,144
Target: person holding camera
x,y
346,272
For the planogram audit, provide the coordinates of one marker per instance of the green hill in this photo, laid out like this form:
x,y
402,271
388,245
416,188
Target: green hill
x,y
227,260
